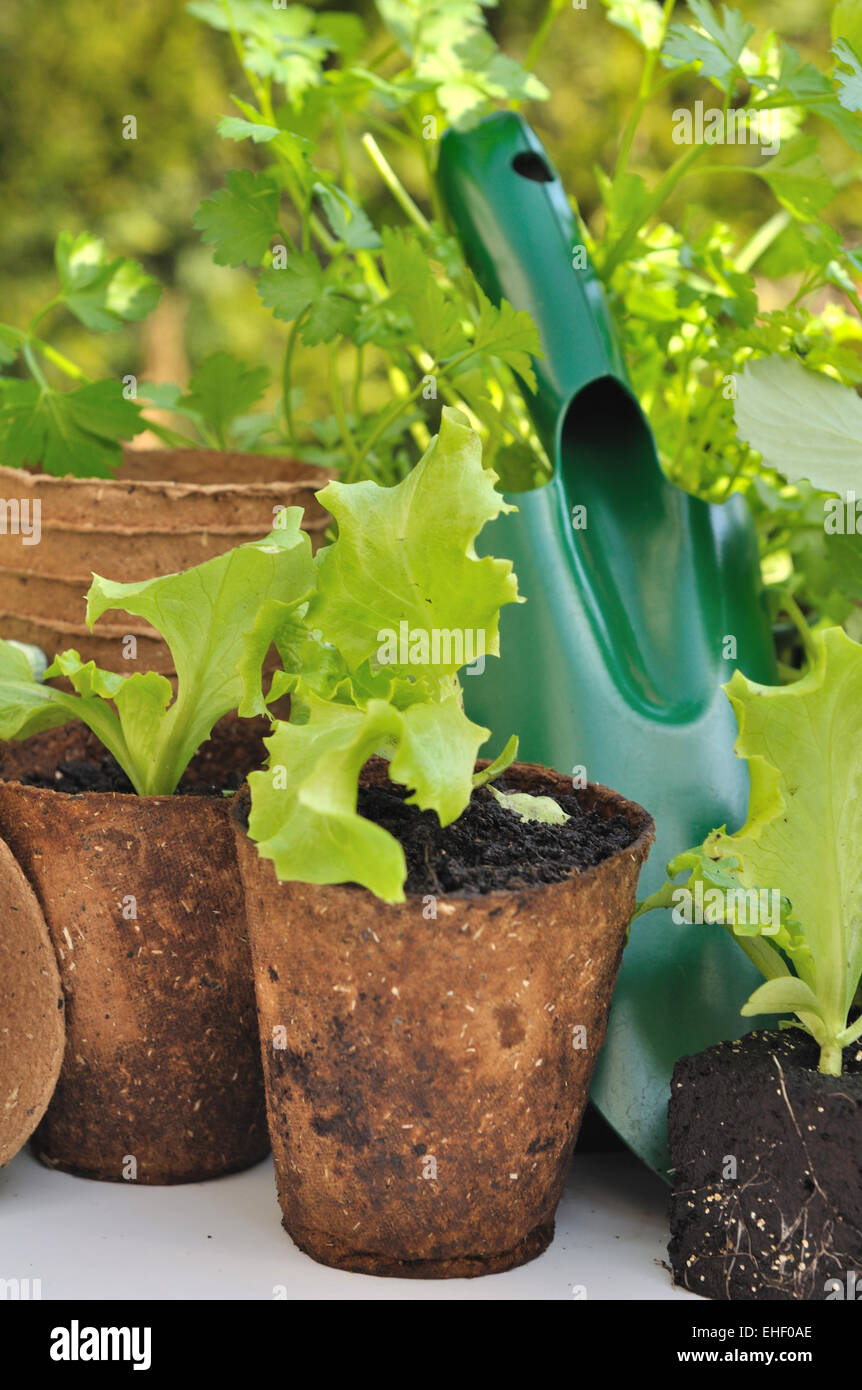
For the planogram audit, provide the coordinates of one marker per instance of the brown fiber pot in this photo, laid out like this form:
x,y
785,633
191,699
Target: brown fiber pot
x,y
32,1020
425,1085
162,1061
166,510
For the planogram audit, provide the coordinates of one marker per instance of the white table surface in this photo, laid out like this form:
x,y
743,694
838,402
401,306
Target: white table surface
x,y
224,1240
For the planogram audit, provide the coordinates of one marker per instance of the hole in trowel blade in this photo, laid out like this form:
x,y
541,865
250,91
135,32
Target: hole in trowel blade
x,y
532,166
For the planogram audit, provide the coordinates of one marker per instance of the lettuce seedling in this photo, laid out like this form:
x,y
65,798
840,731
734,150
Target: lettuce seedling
x,y
371,635
203,615
372,665
803,837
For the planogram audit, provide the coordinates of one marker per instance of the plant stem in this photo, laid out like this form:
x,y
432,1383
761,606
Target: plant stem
x,y
286,373
358,378
437,206
59,360
628,237
540,37
341,414
35,370
167,435
793,611
762,240
394,184
644,93
830,1059
345,170
43,313
387,419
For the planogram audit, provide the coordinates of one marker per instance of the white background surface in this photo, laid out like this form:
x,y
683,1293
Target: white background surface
x,y
224,1240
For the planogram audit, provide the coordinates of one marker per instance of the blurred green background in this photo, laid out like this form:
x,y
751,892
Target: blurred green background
x,y
72,70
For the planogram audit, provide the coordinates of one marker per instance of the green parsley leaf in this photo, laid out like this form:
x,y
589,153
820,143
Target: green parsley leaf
x,y
240,219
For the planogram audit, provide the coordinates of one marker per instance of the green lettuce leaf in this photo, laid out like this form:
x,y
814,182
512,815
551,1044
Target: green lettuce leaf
x,y
404,564
804,424
304,815
527,807
204,616
803,834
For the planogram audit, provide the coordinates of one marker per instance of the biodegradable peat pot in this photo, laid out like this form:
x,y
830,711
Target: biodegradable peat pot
x,y
426,1076
144,905
166,510
32,1021
767,1159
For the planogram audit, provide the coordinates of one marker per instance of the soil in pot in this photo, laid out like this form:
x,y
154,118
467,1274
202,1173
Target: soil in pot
x,y
161,1079
166,510
767,1158
32,1018
427,1063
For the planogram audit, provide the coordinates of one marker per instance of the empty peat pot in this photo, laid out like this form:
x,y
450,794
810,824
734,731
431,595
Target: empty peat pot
x,y
161,1079
427,1063
166,510
767,1194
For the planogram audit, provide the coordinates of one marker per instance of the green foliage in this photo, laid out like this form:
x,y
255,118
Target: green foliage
x,y
400,299
688,295
404,564
241,219
220,393
203,615
802,837
803,424
371,636
76,431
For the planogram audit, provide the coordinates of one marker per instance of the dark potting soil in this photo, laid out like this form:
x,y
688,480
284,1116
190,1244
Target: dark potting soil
x,y
767,1159
489,847
105,775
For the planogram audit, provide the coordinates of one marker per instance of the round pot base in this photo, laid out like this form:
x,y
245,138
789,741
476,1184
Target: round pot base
x,y
331,1252
205,1172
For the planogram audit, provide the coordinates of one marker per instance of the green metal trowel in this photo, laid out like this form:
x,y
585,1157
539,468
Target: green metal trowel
x,y
642,600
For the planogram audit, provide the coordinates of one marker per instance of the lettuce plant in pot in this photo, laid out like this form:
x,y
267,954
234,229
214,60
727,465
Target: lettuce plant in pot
x,y
500,956
435,940
765,1131
139,885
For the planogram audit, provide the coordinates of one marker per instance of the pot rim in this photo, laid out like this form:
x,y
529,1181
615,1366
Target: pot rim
x,y
108,798
638,849
318,477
